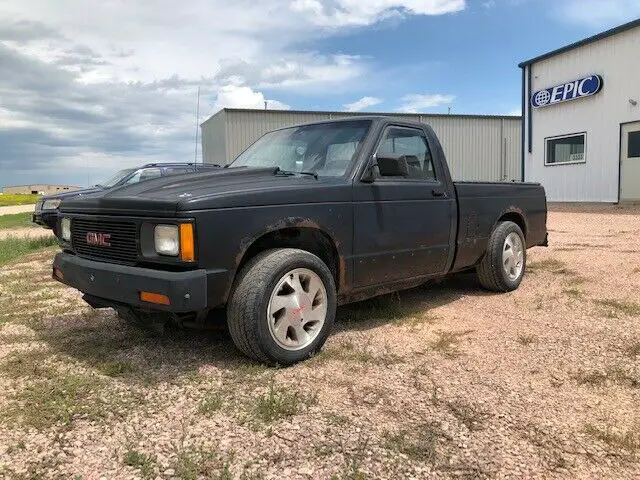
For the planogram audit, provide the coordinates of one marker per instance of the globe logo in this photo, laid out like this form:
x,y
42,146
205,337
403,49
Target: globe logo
x,y
542,97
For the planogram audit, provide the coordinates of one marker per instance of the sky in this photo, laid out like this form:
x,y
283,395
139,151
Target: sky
x,y
88,88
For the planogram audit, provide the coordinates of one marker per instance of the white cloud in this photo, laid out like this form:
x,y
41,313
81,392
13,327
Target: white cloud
x,y
235,96
416,103
597,13
119,78
364,102
339,13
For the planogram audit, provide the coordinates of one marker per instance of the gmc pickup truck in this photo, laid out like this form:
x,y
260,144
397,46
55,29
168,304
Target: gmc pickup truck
x,y
305,219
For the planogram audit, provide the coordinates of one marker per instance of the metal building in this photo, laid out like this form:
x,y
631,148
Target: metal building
x,y
42,189
477,147
582,118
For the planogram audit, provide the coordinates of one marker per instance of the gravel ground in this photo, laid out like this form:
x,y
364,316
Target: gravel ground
x,y
440,382
16,209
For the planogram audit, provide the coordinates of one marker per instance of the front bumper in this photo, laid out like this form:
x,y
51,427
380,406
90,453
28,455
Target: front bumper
x,y
122,284
45,219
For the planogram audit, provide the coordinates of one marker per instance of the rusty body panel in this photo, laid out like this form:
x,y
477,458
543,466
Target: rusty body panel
x,y
376,236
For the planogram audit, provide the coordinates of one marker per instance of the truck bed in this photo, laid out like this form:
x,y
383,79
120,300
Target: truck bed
x,y
481,203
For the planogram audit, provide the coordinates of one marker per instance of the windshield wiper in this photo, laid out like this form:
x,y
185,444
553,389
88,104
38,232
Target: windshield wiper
x,y
279,171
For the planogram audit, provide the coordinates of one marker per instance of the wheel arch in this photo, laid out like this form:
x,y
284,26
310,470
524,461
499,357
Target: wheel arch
x,y
307,237
515,216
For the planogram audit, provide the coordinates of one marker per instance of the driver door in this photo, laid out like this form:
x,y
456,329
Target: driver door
x,y
402,225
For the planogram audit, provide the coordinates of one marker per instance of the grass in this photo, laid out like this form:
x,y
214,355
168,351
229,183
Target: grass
x,y
418,443
628,441
549,265
211,403
349,352
573,292
12,248
447,343
469,416
633,350
615,376
10,199
17,220
527,340
143,462
195,461
116,369
279,403
48,402
624,307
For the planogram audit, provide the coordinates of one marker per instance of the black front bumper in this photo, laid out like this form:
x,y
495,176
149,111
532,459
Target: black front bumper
x,y
122,284
47,220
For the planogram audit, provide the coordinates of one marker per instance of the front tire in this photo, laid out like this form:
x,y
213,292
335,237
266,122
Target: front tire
x,y
283,306
504,263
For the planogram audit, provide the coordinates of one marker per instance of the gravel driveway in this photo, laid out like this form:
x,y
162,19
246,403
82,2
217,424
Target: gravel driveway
x,y
441,382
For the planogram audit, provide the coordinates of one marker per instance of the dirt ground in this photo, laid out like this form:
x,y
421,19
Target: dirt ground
x,y
16,209
441,382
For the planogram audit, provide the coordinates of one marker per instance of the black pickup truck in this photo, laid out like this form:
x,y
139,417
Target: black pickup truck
x,y
305,219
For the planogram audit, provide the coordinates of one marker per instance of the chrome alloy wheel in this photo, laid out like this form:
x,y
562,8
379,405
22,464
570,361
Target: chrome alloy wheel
x,y
513,256
297,309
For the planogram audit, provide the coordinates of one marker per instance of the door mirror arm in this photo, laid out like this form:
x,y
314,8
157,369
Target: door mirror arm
x,y
368,175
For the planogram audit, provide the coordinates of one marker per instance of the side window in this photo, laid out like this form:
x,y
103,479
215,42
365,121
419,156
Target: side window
x,y
176,170
144,174
410,142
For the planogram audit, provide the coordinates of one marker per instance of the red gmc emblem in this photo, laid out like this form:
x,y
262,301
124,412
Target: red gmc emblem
x,y
99,239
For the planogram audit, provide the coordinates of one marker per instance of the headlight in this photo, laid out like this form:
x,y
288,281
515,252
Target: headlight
x,y
167,240
65,229
52,204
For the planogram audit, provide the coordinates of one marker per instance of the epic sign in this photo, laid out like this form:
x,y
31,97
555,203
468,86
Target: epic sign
x,y
585,87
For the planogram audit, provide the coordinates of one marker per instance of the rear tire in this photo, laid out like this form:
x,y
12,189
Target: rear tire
x,y
282,307
504,263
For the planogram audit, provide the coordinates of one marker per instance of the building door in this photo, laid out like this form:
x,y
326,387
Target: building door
x,y
630,162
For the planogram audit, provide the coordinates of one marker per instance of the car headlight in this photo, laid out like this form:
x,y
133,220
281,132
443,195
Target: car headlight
x,y
52,204
167,240
65,229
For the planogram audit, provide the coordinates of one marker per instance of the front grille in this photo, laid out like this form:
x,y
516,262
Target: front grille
x,y
122,241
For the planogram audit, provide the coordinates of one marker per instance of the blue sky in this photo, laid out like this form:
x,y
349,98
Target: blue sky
x,y
86,91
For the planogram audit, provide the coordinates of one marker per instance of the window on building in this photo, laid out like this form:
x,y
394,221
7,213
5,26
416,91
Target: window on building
x,y
566,149
410,141
633,150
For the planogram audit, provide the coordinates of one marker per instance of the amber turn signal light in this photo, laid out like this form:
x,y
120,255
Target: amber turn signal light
x,y
155,298
187,244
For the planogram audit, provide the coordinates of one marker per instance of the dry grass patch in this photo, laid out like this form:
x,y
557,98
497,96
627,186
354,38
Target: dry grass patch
x,y
281,402
546,265
469,415
418,443
145,464
625,307
363,354
448,343
633,350
610,376
619,441
527,339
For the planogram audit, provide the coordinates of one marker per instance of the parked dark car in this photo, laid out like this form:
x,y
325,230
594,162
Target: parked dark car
x,y
307,218
46,210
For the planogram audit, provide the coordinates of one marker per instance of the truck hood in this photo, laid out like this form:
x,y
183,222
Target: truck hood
x,y
224,188
71,194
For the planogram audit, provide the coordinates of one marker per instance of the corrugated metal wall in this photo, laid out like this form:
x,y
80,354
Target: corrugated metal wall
x,y
214,139
477,148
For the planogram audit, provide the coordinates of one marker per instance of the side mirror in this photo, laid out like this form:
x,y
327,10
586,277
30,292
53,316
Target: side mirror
x,y
393,165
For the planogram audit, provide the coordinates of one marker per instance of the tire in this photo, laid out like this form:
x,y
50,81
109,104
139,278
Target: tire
x,y
255,310
494,273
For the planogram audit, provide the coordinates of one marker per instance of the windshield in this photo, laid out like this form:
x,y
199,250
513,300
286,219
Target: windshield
x,y
326,149
117,178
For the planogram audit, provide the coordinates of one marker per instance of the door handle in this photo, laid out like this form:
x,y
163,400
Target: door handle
x,y
438,193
